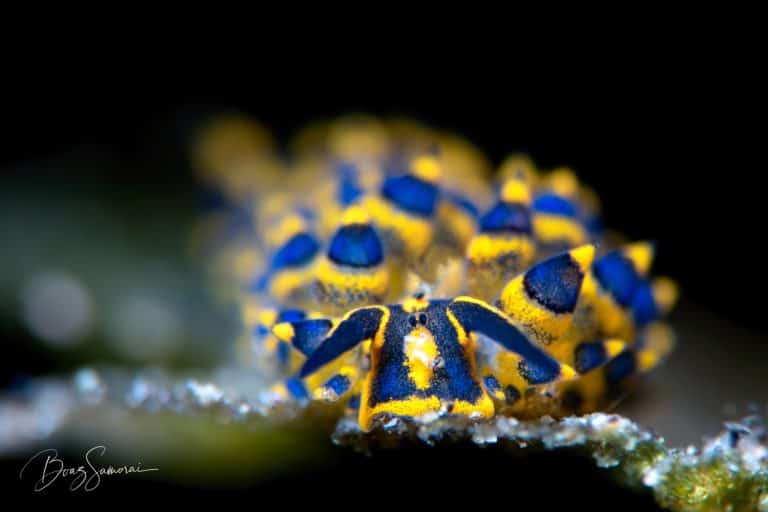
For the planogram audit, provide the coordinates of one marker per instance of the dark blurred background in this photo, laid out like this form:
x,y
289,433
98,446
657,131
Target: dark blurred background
x,y
674,147
675,151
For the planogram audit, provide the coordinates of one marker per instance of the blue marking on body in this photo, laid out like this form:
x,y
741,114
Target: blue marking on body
x,y
507,217
297,251
555,283
291,315
356,245
259,283
491,383
339,384
354,402
617,275
283,354
555,205
588,356
473,317
260,330
349,191
644,309
463,203
308,334
536,374
296,388
620,367
411,194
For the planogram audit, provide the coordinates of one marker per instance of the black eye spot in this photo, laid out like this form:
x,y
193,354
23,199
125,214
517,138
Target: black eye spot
x,y
423,319
418,295
412,320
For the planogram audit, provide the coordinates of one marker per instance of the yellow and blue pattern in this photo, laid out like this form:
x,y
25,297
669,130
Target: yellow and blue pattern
x,y
376,270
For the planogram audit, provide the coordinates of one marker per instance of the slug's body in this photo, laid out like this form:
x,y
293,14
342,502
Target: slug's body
x,y
393,282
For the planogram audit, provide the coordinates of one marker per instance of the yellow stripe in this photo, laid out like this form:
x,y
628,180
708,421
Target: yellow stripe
x,y
485,248
412,304
558,229
353,280
641,256
516,190
355,215
665,293
427,168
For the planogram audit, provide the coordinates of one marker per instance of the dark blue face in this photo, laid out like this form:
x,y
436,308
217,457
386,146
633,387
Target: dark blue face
x,y
451,380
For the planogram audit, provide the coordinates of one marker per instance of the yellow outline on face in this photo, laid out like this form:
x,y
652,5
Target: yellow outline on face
x,y
416,407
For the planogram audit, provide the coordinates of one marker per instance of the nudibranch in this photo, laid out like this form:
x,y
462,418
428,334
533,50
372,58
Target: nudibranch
x,y
390,271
